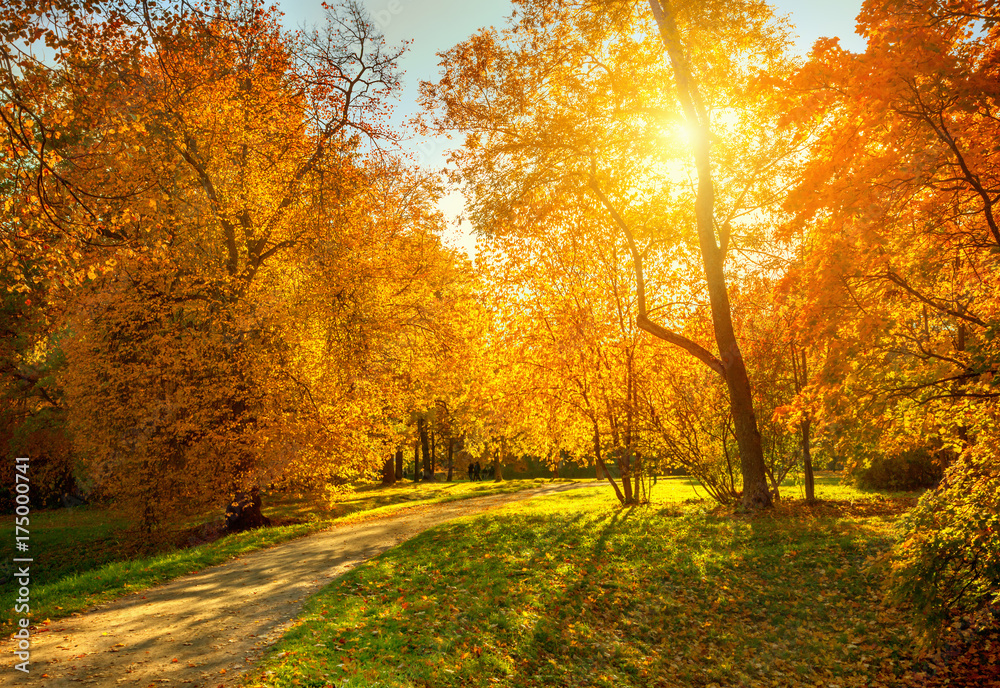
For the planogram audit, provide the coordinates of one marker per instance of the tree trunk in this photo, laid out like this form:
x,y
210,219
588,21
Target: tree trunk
x,y
627,486
416,461
399,463
497,467
389,470
807,463
625,468
433,453
422,428
755,491
752,467
451,456
629,473
637,477
602,469
244,512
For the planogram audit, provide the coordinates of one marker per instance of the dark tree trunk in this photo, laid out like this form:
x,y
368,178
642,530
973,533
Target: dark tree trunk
x,y
244,512
807,463
425,448
399,463
433,453
389,471
625,467
800,371
755,492
451,457
637,478
497,467
602,469
416,461
628,465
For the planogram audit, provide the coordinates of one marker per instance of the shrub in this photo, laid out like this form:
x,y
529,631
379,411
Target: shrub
x,y
947,561
912,469
42,438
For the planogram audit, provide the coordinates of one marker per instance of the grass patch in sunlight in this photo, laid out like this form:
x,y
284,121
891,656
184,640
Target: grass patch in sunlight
x,y
84,556
573,590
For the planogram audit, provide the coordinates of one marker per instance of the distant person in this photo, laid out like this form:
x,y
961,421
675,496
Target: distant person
x,y
479,471
472,470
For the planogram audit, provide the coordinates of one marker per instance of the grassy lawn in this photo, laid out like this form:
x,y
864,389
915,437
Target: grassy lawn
x,y
86,555
571,590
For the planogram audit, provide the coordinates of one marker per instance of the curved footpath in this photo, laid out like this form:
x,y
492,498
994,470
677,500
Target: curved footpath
x,y
207,628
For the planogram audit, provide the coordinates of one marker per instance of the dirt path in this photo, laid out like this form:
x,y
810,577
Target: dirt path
x,y
207,628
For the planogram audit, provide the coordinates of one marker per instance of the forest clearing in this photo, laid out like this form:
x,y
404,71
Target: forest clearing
x,y
560,590
570,590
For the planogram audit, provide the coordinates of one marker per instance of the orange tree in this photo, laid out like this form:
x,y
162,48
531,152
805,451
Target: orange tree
x,y
596,387
578,97
244,259
565,309
897,210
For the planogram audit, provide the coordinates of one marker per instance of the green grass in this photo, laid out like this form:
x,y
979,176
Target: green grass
x,y
572,590
828,485
85,555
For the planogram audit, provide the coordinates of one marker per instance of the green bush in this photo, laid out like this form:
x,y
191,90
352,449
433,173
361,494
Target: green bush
x,y
947,560
908,470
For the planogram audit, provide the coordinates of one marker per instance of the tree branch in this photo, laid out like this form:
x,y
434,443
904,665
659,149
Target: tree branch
x,y
899,281
642,319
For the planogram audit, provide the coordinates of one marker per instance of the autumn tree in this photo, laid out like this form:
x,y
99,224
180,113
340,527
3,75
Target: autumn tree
x,y
897,217
436,353
248,263
579,96
900,261
565,311
32,408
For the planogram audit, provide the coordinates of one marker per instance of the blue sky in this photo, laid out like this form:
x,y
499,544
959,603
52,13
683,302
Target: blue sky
x,y
436,25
